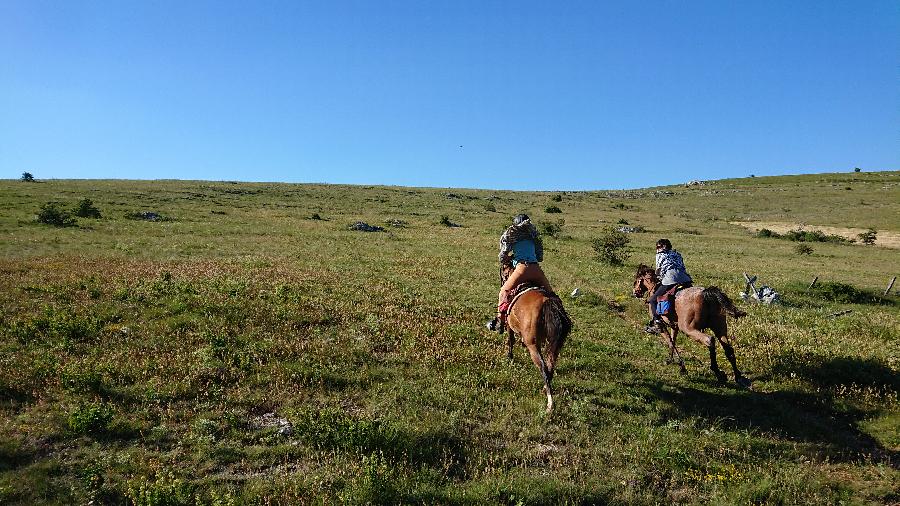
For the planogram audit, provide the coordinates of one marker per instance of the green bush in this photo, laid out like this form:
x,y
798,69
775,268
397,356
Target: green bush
x,y
551,228
868,237
845,294
90,419
610,247
86,209
552,210
52,214
556,198
490,207
27,177
813,236
764,232
803,249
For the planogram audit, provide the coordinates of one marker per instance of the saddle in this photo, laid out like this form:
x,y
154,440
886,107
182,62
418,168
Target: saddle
x,y
664,303
520,290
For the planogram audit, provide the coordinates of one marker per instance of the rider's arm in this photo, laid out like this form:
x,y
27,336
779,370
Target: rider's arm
x,y
505,247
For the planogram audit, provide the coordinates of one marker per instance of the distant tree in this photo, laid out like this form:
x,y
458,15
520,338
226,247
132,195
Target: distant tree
x,y
868,237
856,170
27,177
85,209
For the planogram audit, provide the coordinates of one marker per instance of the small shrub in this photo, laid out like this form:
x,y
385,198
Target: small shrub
x,y
846,294
622,221
556,198
162,490
86,209
490,207
52,214
868,237
551,228
803,249
813,236
445,221
315,216
610,247
27,177
764,232
90,419
552,210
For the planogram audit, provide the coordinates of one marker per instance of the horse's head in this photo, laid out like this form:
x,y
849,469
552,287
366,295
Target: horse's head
x,y
644,280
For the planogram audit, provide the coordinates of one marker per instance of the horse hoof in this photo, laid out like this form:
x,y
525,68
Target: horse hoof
x,y
721,377
743,382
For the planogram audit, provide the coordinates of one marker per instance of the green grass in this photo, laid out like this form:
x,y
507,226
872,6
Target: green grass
x,y
137,357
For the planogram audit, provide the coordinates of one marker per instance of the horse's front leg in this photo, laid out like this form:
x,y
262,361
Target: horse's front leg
x,y
673,348
510,341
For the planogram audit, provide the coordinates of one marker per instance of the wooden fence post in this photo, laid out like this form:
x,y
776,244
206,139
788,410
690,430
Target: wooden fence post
x,y
890,285
813,283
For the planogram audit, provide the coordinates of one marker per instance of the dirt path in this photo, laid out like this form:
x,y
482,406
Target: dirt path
x,y
885,239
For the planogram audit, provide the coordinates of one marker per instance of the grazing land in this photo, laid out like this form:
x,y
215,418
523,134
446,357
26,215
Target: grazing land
x,y
237,343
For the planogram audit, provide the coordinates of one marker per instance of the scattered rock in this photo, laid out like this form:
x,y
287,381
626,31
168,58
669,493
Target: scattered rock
x,y
396,223
631,230
361,226
272,421
695,182
576,292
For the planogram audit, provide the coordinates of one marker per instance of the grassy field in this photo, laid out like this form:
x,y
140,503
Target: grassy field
x,y
239,351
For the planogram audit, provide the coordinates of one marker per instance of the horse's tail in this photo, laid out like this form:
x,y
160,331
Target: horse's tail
x,y
713,295
556,321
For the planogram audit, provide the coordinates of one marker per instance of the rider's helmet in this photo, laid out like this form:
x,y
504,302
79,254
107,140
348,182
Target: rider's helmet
x,y
520,219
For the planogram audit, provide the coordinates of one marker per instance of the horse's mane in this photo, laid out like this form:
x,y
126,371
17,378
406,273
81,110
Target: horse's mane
x,y
644,269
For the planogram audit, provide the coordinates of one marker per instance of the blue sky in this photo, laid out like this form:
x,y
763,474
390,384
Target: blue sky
x,y
480,94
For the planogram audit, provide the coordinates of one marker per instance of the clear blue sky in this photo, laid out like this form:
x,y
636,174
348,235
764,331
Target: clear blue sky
x,y
540,95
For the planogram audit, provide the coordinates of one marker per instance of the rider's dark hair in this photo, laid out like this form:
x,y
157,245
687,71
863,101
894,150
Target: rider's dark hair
x,y
664,243
519,219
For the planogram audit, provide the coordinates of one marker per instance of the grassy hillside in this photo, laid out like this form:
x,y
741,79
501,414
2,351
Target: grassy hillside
x,y
238,351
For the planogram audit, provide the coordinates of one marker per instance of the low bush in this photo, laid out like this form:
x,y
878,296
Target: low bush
x,y
86,209
803,249
556,198
552,210
551,228
52,214
868,237
610,247
90,419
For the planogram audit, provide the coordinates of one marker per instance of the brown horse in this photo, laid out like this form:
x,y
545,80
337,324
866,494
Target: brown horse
x,y
696,309
542,324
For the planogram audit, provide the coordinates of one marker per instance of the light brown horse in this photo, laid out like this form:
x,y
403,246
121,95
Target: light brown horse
x,y
542,324
696,309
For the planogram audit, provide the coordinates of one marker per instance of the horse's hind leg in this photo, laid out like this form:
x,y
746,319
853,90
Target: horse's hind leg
x,y
538,360
721,331
713,363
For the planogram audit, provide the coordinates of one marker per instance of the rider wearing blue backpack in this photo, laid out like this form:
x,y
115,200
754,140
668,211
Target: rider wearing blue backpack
x,y
671,271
